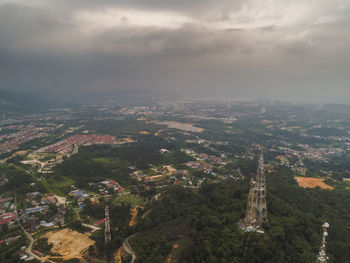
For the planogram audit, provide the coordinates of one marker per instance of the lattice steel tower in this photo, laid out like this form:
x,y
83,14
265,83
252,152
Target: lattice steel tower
x,y
107,226
260,192
250,215
322,257
256,212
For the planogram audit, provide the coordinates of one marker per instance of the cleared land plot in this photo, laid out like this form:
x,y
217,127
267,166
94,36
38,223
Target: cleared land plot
x,y
68,243
310,182
133,212
181,126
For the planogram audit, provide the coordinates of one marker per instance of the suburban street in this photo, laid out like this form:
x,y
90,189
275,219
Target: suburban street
x,y
29,236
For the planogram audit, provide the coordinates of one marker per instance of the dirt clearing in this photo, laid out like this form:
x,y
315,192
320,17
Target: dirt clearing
x,y
171,257
310,182
133,212
118,256
68,243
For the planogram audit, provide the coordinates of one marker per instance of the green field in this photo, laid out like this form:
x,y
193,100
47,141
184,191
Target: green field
x,y
102,160
57,186
130,199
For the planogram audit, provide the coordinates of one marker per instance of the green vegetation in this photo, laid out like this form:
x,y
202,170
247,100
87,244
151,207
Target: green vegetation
x,y
197,225
101,162
7,252
152,249
77,226
292,232
130,199
119,128
19,182
120,217
59,185
42,245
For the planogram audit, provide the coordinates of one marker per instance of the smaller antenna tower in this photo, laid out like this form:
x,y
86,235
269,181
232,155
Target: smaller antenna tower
x,y
107,226
322,257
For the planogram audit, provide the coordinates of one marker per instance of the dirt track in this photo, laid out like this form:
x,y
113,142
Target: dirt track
x,y
310,182
69,244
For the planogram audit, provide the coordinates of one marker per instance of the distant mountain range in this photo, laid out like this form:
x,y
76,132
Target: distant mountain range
x,y
33,101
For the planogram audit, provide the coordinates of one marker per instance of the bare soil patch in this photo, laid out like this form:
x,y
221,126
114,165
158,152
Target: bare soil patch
x,y
310,182
68,243
133,212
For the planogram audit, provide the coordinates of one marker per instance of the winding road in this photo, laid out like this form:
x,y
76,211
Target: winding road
x,y
240,173
29,248
129,249
29,236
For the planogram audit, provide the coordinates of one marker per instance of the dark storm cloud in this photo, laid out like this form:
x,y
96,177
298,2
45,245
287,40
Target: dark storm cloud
x,y
235,48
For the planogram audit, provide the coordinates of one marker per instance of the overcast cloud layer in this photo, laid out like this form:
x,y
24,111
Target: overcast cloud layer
x,y
252,48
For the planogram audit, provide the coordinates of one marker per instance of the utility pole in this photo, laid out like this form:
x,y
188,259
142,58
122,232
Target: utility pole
x,y
322,257
107,227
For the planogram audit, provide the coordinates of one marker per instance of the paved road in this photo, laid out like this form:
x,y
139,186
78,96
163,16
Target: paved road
x,y
29,236
146,213
129,249
240,173
78,215
94,228
29,248
75,150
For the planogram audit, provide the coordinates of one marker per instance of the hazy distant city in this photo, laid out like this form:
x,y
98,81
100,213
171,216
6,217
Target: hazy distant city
x,y
162,131
104,181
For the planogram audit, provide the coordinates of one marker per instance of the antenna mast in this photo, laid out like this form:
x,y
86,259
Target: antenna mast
x,y
322,257
107,226
256,212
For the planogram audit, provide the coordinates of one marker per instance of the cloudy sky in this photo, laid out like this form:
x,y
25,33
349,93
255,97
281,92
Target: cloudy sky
x,y
246,48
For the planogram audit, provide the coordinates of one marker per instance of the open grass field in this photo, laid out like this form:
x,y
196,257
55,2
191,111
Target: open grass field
x,y
102,160
130,199
310,182
55,186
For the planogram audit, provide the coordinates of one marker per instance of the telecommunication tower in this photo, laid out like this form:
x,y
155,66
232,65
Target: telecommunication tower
x,y
322,257
107,226
261,207
256,212
250,215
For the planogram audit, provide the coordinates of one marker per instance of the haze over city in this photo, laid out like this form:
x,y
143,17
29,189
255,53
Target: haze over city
x,y
182,131
289,50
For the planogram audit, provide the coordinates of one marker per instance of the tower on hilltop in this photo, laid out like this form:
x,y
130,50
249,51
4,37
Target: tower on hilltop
x,y
256,212
250,215
261,207
322,257
107,226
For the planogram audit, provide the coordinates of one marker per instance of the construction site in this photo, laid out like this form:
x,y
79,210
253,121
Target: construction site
x,y
256,212
68,244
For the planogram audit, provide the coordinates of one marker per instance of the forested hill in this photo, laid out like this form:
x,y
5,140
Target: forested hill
x,y
202,226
